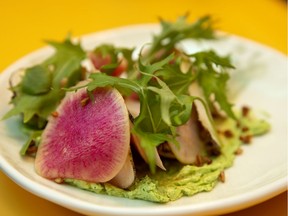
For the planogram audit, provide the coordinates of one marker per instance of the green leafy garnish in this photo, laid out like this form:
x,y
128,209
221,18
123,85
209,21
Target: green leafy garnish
x,y
160,78
161,110
107,58
172,33
41,88
40,91
212,76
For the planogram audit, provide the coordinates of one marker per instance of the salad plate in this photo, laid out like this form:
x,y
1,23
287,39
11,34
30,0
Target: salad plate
x,y
259,81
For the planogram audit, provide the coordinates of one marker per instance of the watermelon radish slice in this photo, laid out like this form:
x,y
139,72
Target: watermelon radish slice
x,y
85,139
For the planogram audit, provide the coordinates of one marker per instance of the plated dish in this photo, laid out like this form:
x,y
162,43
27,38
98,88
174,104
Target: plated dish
x,y
253,82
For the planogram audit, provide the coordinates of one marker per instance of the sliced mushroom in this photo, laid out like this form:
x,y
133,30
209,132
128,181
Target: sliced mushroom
x,y
198,134
126,175
190,143
207,123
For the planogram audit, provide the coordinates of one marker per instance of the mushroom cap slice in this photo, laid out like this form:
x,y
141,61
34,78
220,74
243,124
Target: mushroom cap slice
x,y
198,134
126,175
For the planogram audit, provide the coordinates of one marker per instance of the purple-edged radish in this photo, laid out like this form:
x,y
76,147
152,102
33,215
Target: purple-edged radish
x,y
85,139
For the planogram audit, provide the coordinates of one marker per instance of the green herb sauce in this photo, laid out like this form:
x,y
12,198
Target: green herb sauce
x,y
184,180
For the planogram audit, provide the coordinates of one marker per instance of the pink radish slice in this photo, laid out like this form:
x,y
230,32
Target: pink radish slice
x,y
86,140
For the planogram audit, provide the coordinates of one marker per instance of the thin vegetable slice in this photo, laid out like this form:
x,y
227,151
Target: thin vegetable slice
x,y
85,139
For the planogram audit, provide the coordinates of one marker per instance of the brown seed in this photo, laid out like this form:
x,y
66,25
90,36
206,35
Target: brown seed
x,y
59,180
228,133
199,160
84,101
207,160
239,151
55,114
245,110
244,129
246,139
32,150
222,176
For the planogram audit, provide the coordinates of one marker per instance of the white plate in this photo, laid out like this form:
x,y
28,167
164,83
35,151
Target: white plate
x,y
259,174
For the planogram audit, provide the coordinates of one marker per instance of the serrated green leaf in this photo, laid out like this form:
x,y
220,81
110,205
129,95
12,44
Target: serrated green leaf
x,y
174,32
37,80
39,92
148,142
212,76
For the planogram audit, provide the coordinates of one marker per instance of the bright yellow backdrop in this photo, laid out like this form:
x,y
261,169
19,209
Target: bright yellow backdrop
x,y
25,24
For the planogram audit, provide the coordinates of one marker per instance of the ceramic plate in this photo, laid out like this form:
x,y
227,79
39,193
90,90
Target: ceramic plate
x,y
260,81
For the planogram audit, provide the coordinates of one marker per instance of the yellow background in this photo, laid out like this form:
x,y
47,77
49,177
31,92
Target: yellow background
x,y
24,25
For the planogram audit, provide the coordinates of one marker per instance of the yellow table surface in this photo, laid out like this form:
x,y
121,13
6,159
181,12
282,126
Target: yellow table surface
x,y
25,24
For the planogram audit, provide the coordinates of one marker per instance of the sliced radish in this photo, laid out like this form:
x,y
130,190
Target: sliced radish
x,y
84,139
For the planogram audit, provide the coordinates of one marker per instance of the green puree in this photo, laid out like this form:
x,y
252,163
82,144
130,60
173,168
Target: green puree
x,y
184,180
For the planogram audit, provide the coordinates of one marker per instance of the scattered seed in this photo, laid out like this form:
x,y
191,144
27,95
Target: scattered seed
x,y
244,129
245,111
239,151
207,160
84,101
199,160
55,114
59,180
222,176
246,139
228,133
32,149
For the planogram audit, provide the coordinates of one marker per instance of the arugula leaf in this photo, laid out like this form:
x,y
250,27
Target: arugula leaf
x,y
107,57
33,141
172,33
154,94
212,76
149,141
174,76
40,76
40,90
149,69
